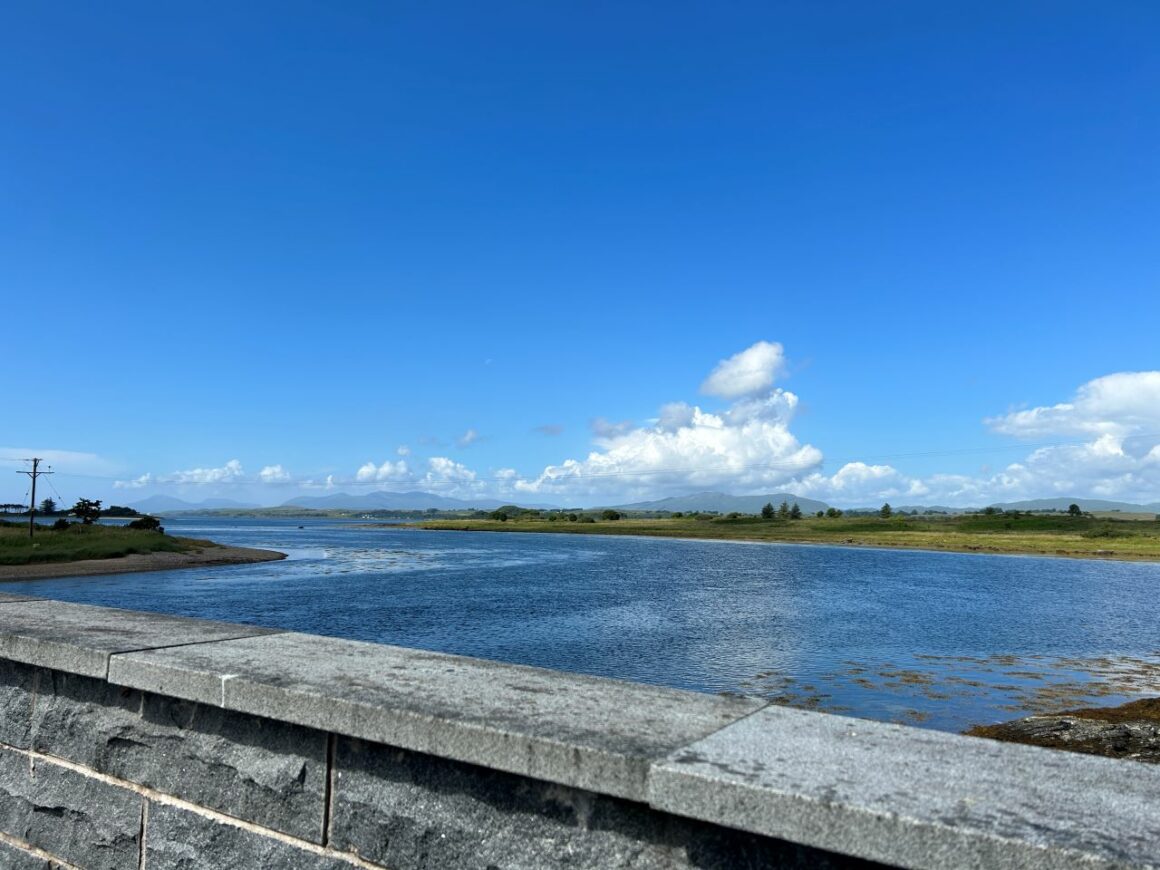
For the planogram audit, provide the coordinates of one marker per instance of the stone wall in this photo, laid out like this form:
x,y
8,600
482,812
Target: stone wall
x,y
132,740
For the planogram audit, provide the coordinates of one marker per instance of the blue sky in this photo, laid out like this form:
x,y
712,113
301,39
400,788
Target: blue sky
x,y
491,243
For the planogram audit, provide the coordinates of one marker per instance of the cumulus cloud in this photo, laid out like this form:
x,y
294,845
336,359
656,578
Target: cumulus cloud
x,y
749,446
232,470
751,371
1117,404
445,474
274,474
1115,419
403,450
467,438
388,471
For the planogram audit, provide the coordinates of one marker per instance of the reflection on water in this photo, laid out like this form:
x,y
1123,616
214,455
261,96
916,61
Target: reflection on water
x,y
937,639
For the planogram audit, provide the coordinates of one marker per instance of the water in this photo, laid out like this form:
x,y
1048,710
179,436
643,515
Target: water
x,y
937,639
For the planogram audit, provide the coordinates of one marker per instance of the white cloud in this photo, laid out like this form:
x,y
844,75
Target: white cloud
x,y
751,371
748,447
231,471
606,430
388,471
403,450
274,474
444,474
136,483
1116,404
60,461
467,438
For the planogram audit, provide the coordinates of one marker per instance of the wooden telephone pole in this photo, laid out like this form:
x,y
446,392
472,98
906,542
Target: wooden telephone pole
x,y
35,473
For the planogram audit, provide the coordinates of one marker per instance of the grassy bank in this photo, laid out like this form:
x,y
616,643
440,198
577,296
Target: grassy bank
x,y
1050,535
79,542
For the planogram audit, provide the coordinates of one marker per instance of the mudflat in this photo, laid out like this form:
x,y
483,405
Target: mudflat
x,y
135,562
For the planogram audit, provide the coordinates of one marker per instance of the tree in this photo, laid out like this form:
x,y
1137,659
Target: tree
x,y
147,524
610,515
783,510
887,511
87,510
767,511
1074,511
833,513
820,514
48,506
500,515
795,512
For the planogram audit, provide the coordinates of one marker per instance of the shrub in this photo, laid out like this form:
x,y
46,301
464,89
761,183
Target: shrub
x,y
147,524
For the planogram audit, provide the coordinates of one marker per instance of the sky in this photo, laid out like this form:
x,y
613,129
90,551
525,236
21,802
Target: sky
x,y
581,254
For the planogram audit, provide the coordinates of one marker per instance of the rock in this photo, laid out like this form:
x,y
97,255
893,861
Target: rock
x,y
1129,731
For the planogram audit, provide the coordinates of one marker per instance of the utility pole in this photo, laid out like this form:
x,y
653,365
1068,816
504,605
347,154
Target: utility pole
x,y
32,506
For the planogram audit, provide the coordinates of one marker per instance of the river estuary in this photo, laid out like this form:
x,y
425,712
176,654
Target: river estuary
x,y
940,640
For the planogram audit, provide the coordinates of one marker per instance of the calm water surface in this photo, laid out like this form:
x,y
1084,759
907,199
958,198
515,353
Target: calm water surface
x,y
939,639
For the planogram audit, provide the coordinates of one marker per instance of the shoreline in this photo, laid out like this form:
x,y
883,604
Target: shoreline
x,y
914,546
139,562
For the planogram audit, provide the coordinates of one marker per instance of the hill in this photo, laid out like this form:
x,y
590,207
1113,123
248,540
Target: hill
x,y
156,504
724,503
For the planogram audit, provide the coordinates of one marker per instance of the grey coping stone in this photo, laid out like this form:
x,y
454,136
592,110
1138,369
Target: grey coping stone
x,y
85,821
407,811
576,730
17,690
915,798
270,773
6,598
79,638
179,839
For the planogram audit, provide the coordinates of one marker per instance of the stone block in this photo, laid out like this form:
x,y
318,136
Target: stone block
x,y
79,638
85,821
17,683
15,858
180,839
266,772
587,732
915,798
409,811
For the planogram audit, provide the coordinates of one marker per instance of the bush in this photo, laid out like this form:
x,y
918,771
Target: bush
x,y
610,515
60,525
587,519
147,524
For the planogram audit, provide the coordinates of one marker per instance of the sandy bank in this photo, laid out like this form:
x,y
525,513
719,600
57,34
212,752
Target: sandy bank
x,y
140,562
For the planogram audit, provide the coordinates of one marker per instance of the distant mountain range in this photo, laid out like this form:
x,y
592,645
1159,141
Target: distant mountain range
x,y
701,501
396,501
724,503
161,503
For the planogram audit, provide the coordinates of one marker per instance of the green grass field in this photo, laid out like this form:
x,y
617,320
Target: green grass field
x,y
84,542
1053,535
